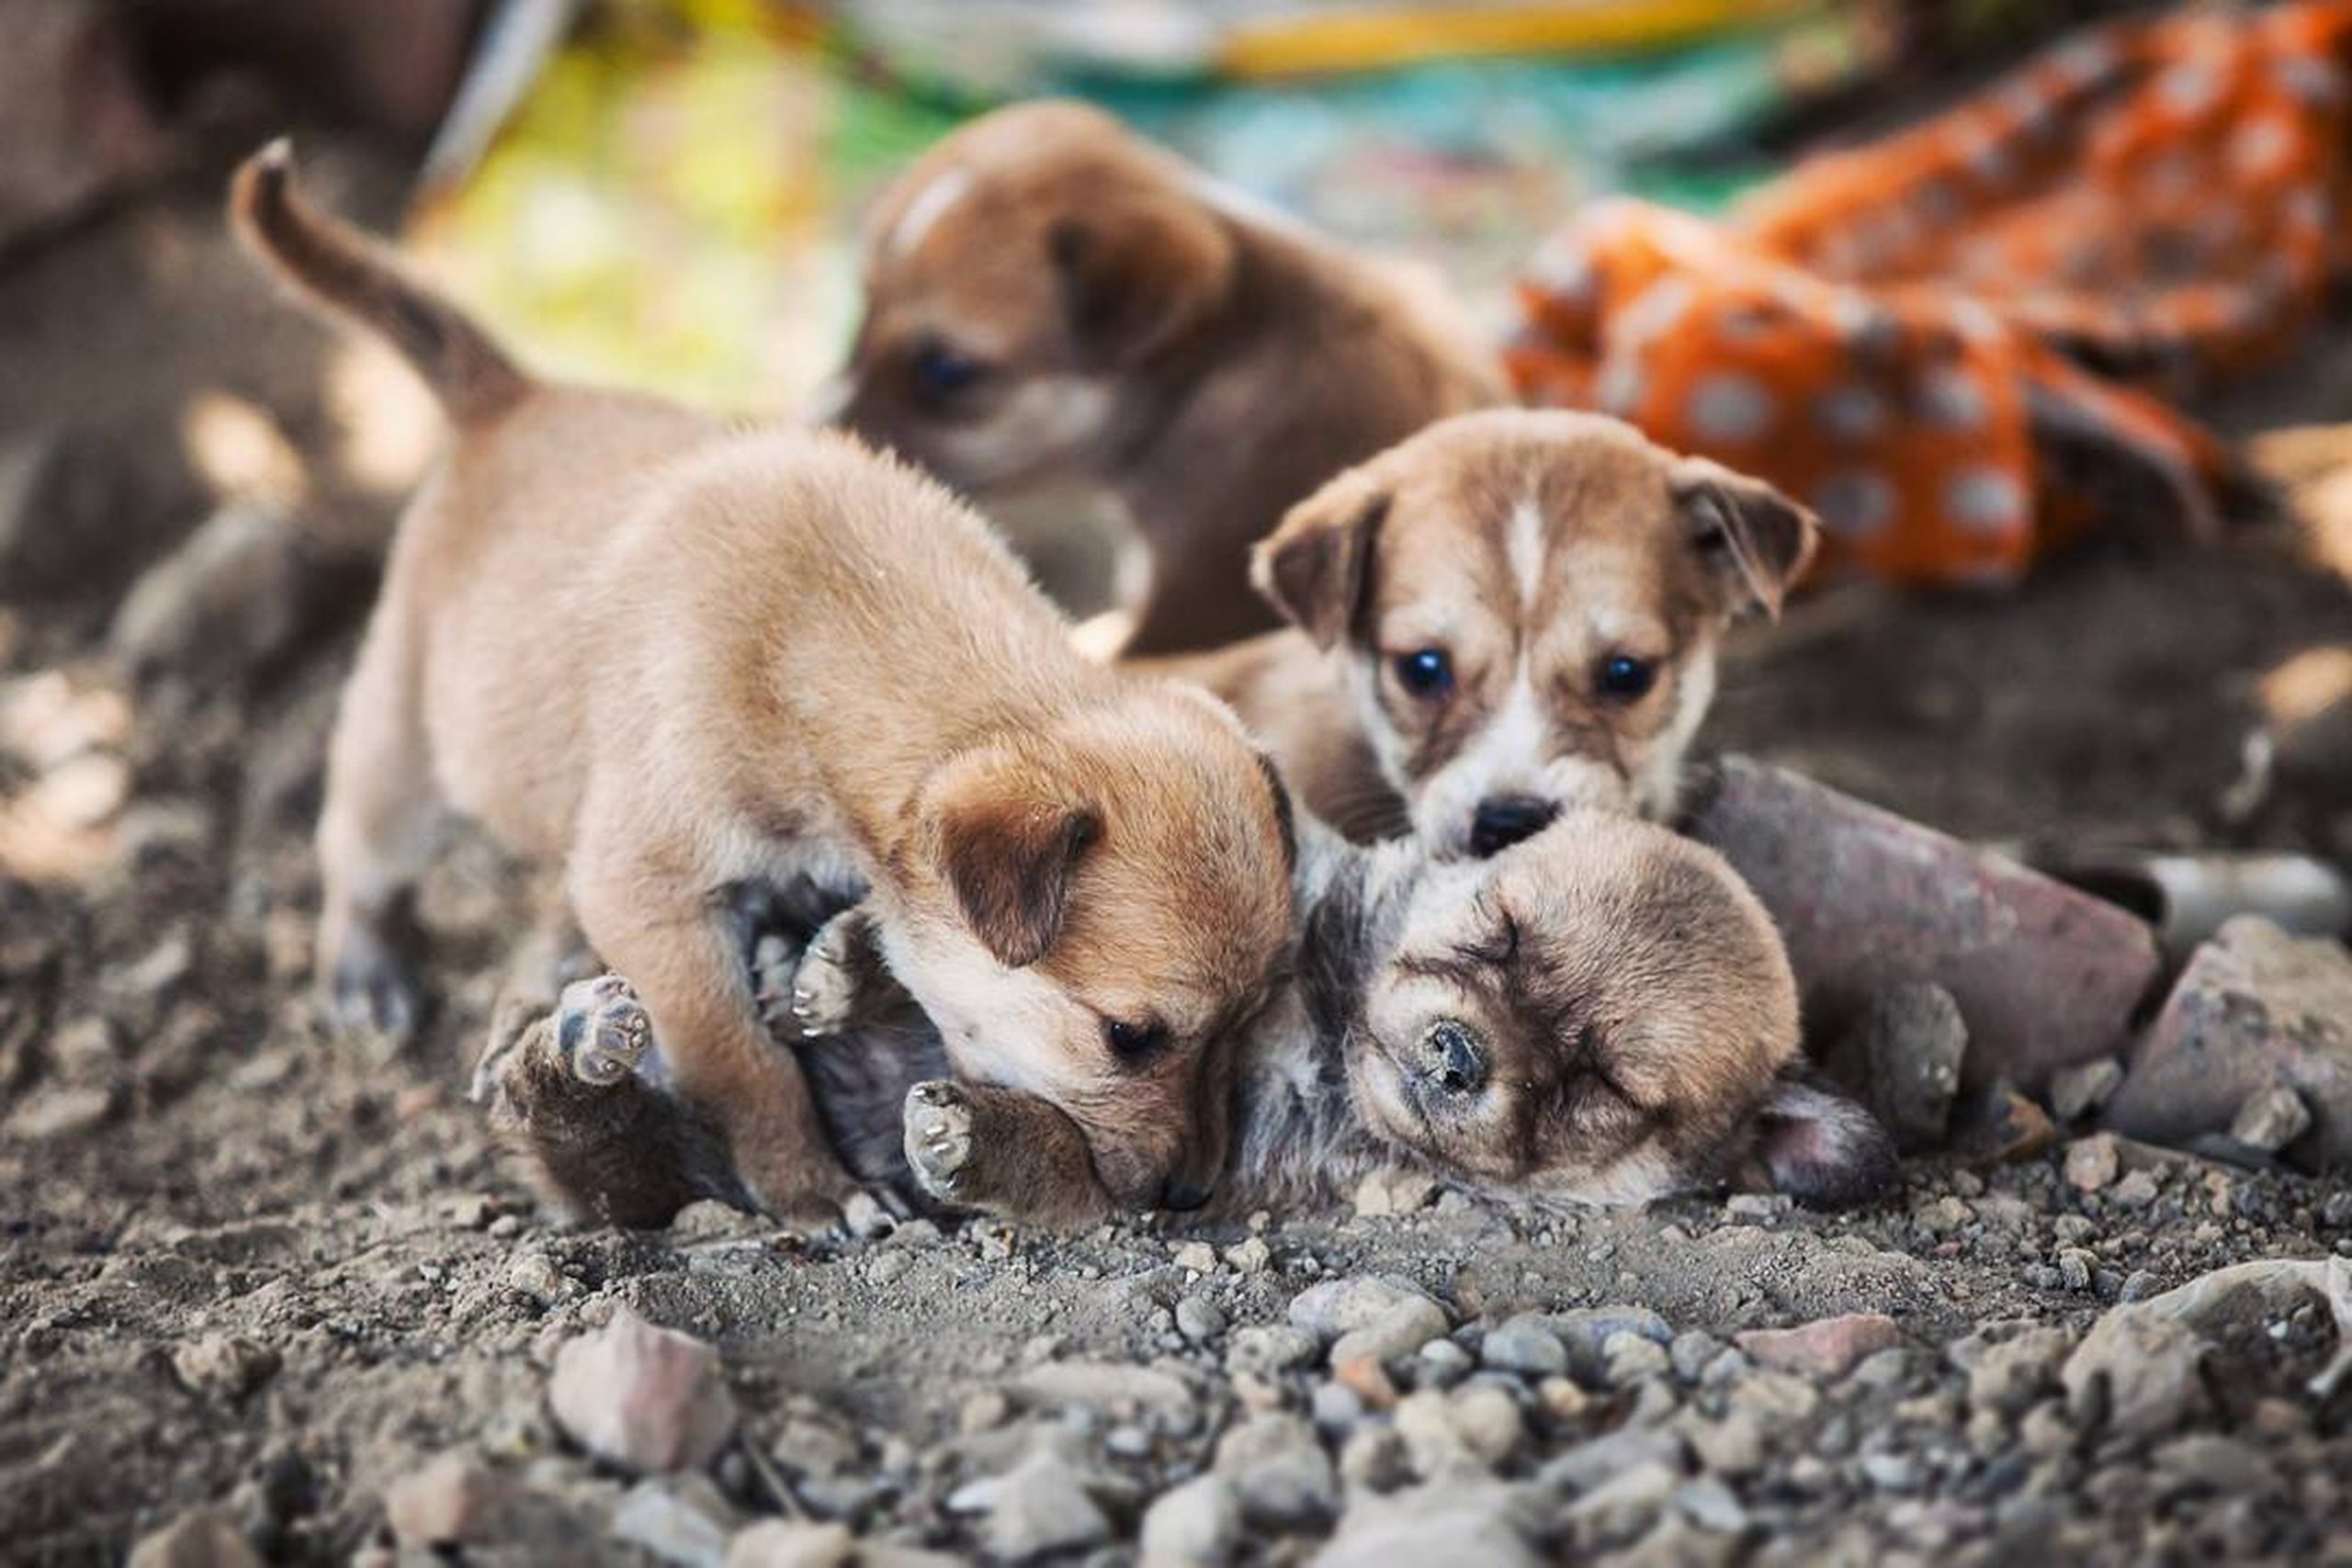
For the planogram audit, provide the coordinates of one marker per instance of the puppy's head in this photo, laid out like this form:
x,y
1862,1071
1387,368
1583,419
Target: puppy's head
x,y
1529,605
1603,1014
1093,913
1020,279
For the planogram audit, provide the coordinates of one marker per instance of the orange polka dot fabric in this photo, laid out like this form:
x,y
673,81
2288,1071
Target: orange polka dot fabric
x,y
1955,344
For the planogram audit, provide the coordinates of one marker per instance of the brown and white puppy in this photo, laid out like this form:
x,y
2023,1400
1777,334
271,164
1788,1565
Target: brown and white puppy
x,y
692,665
1509,614
1600,1015
1049,297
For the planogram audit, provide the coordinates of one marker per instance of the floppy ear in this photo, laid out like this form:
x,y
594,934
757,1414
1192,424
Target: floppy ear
x,y
1317,566
1822,1148
1755,540
1137,272
1009,853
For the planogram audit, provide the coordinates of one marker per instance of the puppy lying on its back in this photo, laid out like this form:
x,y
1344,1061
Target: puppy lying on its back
x,y
692,666
1600,1015
1506,615
1050,296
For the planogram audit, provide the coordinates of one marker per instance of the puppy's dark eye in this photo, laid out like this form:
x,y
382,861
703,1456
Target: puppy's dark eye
x,y
1134,1041
1623,678
1425,673
942,373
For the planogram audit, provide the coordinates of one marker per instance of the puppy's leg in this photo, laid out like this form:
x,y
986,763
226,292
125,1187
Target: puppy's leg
x,y
841,977
642,911
593,1138
1003,1153
376,832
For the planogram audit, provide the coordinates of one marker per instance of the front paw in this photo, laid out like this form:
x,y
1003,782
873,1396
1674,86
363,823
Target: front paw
x,y
938,1124
602,1030
369,989
826,984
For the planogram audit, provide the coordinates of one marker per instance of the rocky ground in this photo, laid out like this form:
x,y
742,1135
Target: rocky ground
x,y
272,1295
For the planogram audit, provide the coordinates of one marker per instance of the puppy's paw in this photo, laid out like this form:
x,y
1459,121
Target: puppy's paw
x,y
775,963
833,973
602,1030
370,990
938,1123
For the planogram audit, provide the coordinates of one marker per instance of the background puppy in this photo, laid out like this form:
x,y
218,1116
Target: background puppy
x,y
1600,1015
1048,296
689,665
1508,614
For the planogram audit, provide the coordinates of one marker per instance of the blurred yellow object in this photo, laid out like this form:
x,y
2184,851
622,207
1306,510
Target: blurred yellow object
x,y
1369,40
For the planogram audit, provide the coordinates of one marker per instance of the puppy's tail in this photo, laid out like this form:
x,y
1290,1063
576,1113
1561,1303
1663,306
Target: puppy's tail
x,y
351,275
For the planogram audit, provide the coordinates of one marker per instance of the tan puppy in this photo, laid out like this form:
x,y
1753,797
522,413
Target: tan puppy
x,y
1048,296
696,667
1600,1015
1508,614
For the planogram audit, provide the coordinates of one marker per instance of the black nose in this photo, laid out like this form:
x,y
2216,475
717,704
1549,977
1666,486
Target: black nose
x,y
1185,1194
1457,1062
1505,819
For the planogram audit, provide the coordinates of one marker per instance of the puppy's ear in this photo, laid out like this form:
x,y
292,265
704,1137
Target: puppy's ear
x,y
1137,273
1822,1148
1009,855
1755,540
1317,566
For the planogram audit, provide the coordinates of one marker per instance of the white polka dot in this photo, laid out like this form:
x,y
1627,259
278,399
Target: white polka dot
x,y
1864,323
1855,504
1728,406
2190,87
1564,271
1658,309
1984,501
1989,156
1850,413
1620,386
2084,60
1975,321
1954,399
2262,146
2308,78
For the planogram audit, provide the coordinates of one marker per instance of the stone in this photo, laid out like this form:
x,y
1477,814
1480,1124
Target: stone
x,y
2011,1375
1488,1421
1733,1446
197,1538
2271,1120
1199,1319
1384,1193
59,1111
1338,1307
1585,1330
1281,1477
1251,1256
1197,1524
1590,1463
1711,1506
1265,1349
681,1520
1902,1055
1524,1346
1620,1506
1041,1506
1197,1255
2079,1091
1364,1379
647,1399
453,1498
1628,1358
2046,976
1441,1363
1826,1349
1775,1400
1114,1388
1401,1331
2005,1125
1455,1521
2253,1010
792,1543
2144,1370
2092,1163
223,1366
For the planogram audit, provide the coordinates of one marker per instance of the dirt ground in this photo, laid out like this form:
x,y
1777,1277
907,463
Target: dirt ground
x,y
249,1267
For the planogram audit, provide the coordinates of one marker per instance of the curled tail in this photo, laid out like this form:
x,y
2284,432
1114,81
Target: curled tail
x,y
350,274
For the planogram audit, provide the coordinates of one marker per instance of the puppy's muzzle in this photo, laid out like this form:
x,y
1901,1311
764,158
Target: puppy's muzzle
x,y
1505,819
